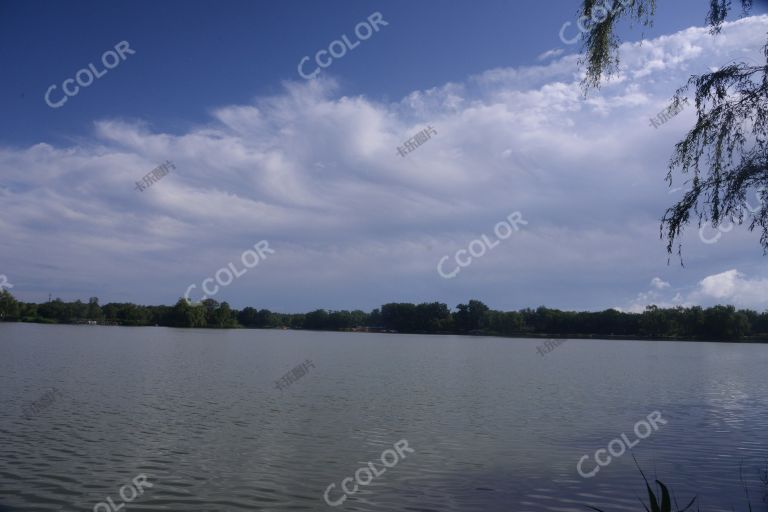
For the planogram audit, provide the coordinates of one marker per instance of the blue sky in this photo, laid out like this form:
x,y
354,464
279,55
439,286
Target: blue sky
x,y
197,55
312,167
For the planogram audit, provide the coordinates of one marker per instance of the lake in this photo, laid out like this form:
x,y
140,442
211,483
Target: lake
x,y
493,425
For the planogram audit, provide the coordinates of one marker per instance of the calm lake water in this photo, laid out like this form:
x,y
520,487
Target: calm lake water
x,y
495,426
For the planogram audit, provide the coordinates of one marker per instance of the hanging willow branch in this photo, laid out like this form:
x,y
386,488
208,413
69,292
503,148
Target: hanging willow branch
x,y
725,154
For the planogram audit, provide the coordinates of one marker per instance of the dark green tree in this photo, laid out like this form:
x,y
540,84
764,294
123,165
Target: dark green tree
x,y
338,320
500,322
399,317
77,311
94,311
374,319
469,317
223,316
655,322
725,323
248,317
184,314
316,320
433,317
296,321
210,306
9,308
54,310
28,312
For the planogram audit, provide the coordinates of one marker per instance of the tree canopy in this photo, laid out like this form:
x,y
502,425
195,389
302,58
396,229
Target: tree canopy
x,y
723,323
724,157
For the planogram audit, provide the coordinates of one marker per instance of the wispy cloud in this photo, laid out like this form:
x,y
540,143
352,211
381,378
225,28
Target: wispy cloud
x,y
555,52
315,172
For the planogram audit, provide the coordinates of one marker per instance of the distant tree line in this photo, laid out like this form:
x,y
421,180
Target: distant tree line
x,y
723,323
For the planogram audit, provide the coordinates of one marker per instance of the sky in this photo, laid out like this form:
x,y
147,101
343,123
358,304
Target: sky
x,y
318,168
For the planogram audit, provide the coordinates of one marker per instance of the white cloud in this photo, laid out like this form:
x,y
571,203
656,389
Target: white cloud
x,y
317,174
733,287
729,287
555,52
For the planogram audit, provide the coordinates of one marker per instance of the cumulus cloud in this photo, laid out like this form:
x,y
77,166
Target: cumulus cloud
x,y
729,287
316,172
655,298
734,287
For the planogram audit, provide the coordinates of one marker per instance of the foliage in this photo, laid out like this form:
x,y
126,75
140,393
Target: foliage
x,y
9,308
601,42
663,503
469,317
725,155
426,317
731,139
716,323
185,314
